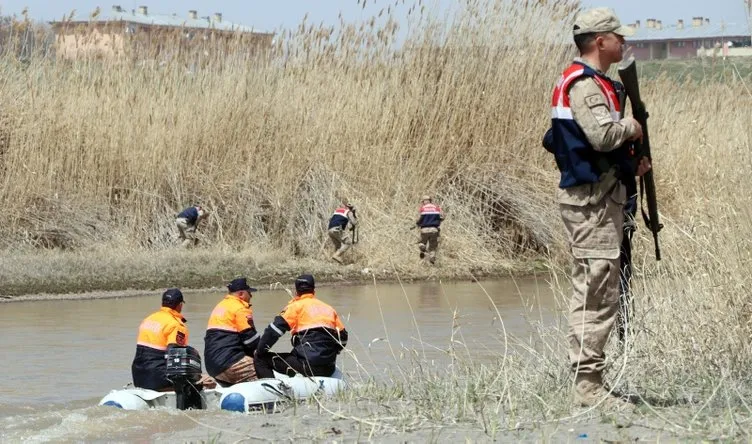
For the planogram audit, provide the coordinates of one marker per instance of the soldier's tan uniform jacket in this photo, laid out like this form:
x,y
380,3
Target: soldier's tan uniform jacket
x,y
595,224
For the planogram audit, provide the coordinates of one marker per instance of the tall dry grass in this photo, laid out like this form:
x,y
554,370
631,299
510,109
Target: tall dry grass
x,y
106,152
99,155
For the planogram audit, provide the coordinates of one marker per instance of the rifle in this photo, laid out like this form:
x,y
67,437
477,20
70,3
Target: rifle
x,y
354,229
628,75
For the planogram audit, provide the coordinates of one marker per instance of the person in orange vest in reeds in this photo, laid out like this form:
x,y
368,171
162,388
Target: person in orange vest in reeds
x,y
429,222
156,333
231,336
342,216
318,336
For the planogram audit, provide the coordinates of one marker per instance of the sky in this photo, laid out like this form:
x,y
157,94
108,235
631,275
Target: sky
x,y
272,15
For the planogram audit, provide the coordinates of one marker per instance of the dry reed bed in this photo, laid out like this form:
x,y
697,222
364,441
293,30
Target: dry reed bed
x,y
104,154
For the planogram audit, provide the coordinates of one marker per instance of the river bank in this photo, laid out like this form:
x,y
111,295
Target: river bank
x,y
361,424
98,274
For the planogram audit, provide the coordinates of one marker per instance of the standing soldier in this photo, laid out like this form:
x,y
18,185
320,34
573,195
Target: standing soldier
x,y
429,222
341,218
589,142
187,222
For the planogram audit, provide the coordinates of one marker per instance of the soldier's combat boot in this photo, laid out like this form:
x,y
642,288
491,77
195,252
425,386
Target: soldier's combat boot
x,y
590,392
422,248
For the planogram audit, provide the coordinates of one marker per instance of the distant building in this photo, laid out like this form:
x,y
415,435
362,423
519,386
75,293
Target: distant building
x,y
110,33
699,38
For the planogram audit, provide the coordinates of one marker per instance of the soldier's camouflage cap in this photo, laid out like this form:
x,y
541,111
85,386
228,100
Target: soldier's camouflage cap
x,y
600,20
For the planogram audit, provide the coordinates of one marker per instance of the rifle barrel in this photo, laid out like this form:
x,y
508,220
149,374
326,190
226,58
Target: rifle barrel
x,y
628,75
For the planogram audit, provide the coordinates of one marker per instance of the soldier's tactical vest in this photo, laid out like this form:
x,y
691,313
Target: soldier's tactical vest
x,y
578,162
191,214
339,218
430,216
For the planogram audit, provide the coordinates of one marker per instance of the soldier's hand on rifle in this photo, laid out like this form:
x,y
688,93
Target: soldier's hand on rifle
x,y
637,135
644,166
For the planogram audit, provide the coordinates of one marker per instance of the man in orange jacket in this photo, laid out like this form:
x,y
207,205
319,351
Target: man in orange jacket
x,y
231,336
318,336
159,330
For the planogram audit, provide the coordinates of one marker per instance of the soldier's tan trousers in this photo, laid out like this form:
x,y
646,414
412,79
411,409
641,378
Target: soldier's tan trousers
x,y
340,239
592,312
187,232
594,220
429,241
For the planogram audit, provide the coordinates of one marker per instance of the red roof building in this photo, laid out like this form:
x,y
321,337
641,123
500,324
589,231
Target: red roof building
x,y
698,38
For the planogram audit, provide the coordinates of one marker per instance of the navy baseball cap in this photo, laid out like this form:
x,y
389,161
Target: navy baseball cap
x,y
239,284
172,297
304,283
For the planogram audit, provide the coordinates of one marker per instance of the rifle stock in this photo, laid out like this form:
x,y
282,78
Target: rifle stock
x,y
628,75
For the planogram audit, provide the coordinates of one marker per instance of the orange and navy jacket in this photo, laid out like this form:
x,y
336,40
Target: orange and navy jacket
x,y
230,334
318,334
430,216
340,218
578,162
155,334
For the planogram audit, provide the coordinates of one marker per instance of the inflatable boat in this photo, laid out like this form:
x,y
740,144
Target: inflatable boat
x,y
143,399
264,394
184,370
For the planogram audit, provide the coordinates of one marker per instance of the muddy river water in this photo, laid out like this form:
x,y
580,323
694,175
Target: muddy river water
x,y
60,357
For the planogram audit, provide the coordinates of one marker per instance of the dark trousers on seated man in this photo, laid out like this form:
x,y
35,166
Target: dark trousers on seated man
x,y
288,364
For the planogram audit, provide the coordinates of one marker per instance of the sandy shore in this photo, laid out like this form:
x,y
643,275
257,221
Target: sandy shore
x,y
331,423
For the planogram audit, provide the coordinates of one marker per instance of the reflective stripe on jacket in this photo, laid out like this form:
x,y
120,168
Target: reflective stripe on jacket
x,y
230,334
318,334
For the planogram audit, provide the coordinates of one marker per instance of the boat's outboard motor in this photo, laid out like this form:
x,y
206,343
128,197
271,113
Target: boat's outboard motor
x,y
184,371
